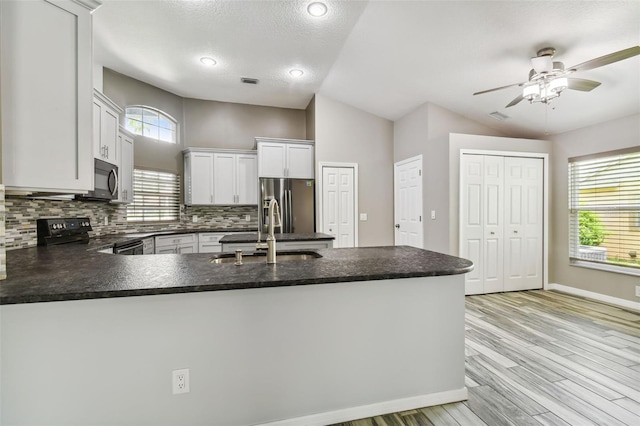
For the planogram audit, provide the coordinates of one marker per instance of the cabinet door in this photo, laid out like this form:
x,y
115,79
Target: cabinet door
x,y
167,250
109,135
125,168
224,172
187,248
299,161
271,159
246,179
201,178
46,85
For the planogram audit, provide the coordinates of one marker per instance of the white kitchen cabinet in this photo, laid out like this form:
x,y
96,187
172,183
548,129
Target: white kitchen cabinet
x,y
285,158
218,176
235,178
125,167
209,242
198,178
106,119
176,244
148,246
46,68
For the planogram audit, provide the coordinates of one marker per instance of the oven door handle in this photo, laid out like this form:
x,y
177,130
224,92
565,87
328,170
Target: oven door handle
x,y
131,247
115,182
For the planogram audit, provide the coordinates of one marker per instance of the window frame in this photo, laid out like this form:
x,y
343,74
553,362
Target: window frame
x,y
628,203
173,199
161,115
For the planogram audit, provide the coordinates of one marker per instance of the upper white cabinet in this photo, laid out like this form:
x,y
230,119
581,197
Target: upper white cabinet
x,y
46,86
285,158
106,121
220,176
125,166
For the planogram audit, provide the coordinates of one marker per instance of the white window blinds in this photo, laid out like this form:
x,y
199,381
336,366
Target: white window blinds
x,y
156,197
604,209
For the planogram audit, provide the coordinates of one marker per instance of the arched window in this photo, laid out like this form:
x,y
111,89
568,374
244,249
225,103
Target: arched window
x,y
151,123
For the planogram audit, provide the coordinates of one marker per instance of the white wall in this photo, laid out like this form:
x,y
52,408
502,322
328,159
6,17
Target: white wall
x,y
347,134
612,135
426,131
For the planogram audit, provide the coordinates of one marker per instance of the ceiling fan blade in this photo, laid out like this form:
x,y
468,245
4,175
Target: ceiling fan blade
x,y
498,88
515,101
582,84
607,59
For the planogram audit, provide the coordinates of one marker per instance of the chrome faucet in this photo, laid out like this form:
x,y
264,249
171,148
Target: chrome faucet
x,y
270,245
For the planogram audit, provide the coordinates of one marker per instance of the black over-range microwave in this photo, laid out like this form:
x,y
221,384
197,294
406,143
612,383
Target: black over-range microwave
x,y
105,183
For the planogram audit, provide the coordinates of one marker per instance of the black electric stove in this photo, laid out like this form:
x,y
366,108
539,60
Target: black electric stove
x,y
63,231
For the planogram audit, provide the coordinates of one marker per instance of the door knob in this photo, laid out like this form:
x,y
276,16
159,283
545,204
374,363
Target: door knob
x,y
398,225
515,232
492,233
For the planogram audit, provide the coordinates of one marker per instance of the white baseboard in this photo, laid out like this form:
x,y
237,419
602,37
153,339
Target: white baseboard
x,y
377,409
628,304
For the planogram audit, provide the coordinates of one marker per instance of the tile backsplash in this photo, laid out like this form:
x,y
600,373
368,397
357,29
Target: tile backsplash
x,y
21,214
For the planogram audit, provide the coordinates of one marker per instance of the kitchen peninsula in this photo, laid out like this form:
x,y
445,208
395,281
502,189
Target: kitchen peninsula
x,y
353,333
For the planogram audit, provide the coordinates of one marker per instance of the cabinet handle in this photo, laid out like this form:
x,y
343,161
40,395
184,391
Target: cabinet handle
x,y
211,198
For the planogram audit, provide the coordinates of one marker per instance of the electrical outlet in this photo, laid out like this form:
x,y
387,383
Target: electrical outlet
x,y
106,220
247,218
194,218
638,291
180,381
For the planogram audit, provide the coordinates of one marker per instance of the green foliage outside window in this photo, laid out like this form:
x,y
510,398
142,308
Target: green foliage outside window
x,y
591,229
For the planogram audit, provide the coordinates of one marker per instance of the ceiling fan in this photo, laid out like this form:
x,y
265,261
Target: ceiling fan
x,y
549,78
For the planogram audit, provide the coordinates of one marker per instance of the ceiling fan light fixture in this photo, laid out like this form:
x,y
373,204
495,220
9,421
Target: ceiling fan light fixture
x,y
557,85
531,92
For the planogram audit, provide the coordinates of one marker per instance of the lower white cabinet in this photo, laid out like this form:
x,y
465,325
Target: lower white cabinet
x,y
281,245
148,246
209,242
176,244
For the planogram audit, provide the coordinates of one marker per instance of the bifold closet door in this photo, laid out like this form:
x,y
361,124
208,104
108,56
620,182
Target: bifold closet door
x,y
501,222
523,223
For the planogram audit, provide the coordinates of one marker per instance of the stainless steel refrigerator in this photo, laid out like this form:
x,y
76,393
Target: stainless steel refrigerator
x,y
296,198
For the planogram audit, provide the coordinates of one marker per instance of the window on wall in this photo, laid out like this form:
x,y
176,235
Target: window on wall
x,y
151,123
156,197
604,211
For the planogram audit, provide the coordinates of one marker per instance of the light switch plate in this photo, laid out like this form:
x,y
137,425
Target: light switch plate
x,y
433,215
364,217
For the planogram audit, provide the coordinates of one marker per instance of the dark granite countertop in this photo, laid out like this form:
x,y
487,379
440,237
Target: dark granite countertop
x,y
251,237
76,272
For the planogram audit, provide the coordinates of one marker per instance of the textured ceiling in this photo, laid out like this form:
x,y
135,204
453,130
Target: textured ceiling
x,y
384,57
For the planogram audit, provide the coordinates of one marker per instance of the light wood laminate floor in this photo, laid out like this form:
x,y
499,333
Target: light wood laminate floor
x,y
541,358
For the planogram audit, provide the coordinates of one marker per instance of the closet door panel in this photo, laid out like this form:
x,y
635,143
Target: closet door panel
x,y
493,223
471,221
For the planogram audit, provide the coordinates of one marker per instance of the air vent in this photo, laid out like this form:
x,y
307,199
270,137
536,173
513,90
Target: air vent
x,y
249,80
498,115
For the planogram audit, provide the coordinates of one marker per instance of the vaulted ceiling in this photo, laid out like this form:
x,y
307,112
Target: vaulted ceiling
x,y
384,57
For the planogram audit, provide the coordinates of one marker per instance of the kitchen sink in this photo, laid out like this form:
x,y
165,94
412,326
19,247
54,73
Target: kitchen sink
x,y
255,257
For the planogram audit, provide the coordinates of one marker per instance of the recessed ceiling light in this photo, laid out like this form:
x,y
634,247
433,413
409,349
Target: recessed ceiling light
x,y
208,61
296,73
317,9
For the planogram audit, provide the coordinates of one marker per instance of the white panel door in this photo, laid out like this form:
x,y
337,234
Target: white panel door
x,y
523,223
246,179
224,171
271,159
493,224
472,220
300,162
338,205
201,178
408,202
